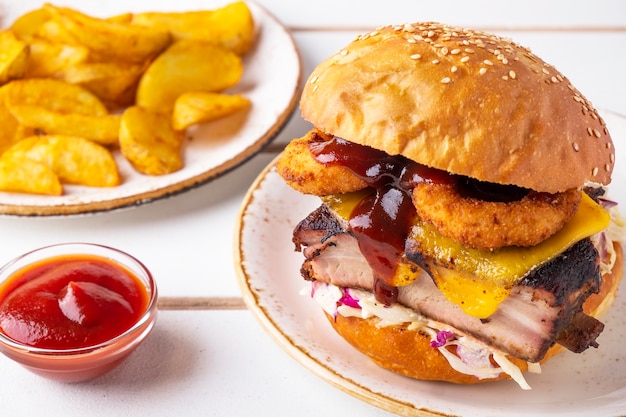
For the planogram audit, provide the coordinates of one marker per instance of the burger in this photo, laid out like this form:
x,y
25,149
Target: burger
x,y
463,232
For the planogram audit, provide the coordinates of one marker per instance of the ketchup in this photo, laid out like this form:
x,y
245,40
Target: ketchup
x,y
382,220
70,302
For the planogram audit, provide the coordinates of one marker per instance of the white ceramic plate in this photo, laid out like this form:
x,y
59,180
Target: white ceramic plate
x,y
272,73
589,384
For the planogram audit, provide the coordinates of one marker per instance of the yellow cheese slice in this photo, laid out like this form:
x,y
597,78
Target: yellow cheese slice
x,y
481,279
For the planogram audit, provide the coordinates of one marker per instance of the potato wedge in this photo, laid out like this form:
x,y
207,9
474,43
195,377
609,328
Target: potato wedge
x,y
100,129
197,107
73,159
55,95
231,26
110,39
27,25
187,65
115,83
13,57
149,143
47,59
11,131
25,176
54,31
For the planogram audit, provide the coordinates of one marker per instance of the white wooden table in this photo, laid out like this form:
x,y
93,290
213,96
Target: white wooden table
x,y
208,356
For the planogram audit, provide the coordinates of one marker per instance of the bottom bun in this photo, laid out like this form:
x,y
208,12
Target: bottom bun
x,y
408,352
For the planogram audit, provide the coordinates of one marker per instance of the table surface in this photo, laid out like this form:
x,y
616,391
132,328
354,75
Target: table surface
x,y
207,354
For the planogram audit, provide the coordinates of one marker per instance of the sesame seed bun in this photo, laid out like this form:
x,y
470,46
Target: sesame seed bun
x,y
463,101
408,352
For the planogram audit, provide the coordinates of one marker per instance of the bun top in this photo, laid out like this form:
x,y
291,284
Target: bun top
x,y
463,101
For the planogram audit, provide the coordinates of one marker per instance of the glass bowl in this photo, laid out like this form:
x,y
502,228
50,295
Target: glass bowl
x,y
74,364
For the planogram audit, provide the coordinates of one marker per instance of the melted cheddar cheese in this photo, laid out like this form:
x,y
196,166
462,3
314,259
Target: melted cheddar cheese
x,y
480,280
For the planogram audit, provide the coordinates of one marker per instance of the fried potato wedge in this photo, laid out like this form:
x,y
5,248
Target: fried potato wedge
x,y
230,26
55,95
100,129
13,57
25,176
111,39
54,31
27,25
11,130
187,65
149,143
198,107
115,83
73,159
47,59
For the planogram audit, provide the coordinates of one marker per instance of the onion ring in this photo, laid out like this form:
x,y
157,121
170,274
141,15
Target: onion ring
x,y
299,168
491,225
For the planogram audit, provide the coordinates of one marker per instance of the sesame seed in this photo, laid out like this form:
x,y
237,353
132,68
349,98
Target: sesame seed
x,y
465,59
415,56
512,74
487,62
446,80
455,51
344,52
545,71
374,33
453,69
411,40
314,79
612,157
315,87
575,146
469,50
430,34
608,145
505,61
482,71
596,133
505,77
590,131
444,50
594,171
435,61
554,80
607,167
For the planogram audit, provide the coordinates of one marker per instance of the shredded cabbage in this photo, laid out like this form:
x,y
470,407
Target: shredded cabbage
x,y
603,241
470,356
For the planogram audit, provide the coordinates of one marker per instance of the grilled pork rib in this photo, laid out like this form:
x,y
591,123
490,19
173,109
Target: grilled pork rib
x,y
544,308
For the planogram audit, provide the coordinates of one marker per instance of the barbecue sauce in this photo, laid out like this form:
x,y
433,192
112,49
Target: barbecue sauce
x,y
381,221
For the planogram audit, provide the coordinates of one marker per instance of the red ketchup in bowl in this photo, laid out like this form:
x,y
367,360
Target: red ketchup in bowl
x,y
70,302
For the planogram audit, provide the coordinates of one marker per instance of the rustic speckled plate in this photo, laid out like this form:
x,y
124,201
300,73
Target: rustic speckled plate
x,y
271,80
591,383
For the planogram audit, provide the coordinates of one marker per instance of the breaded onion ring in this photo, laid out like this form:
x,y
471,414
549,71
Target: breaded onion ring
x,y
299,168
490,225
